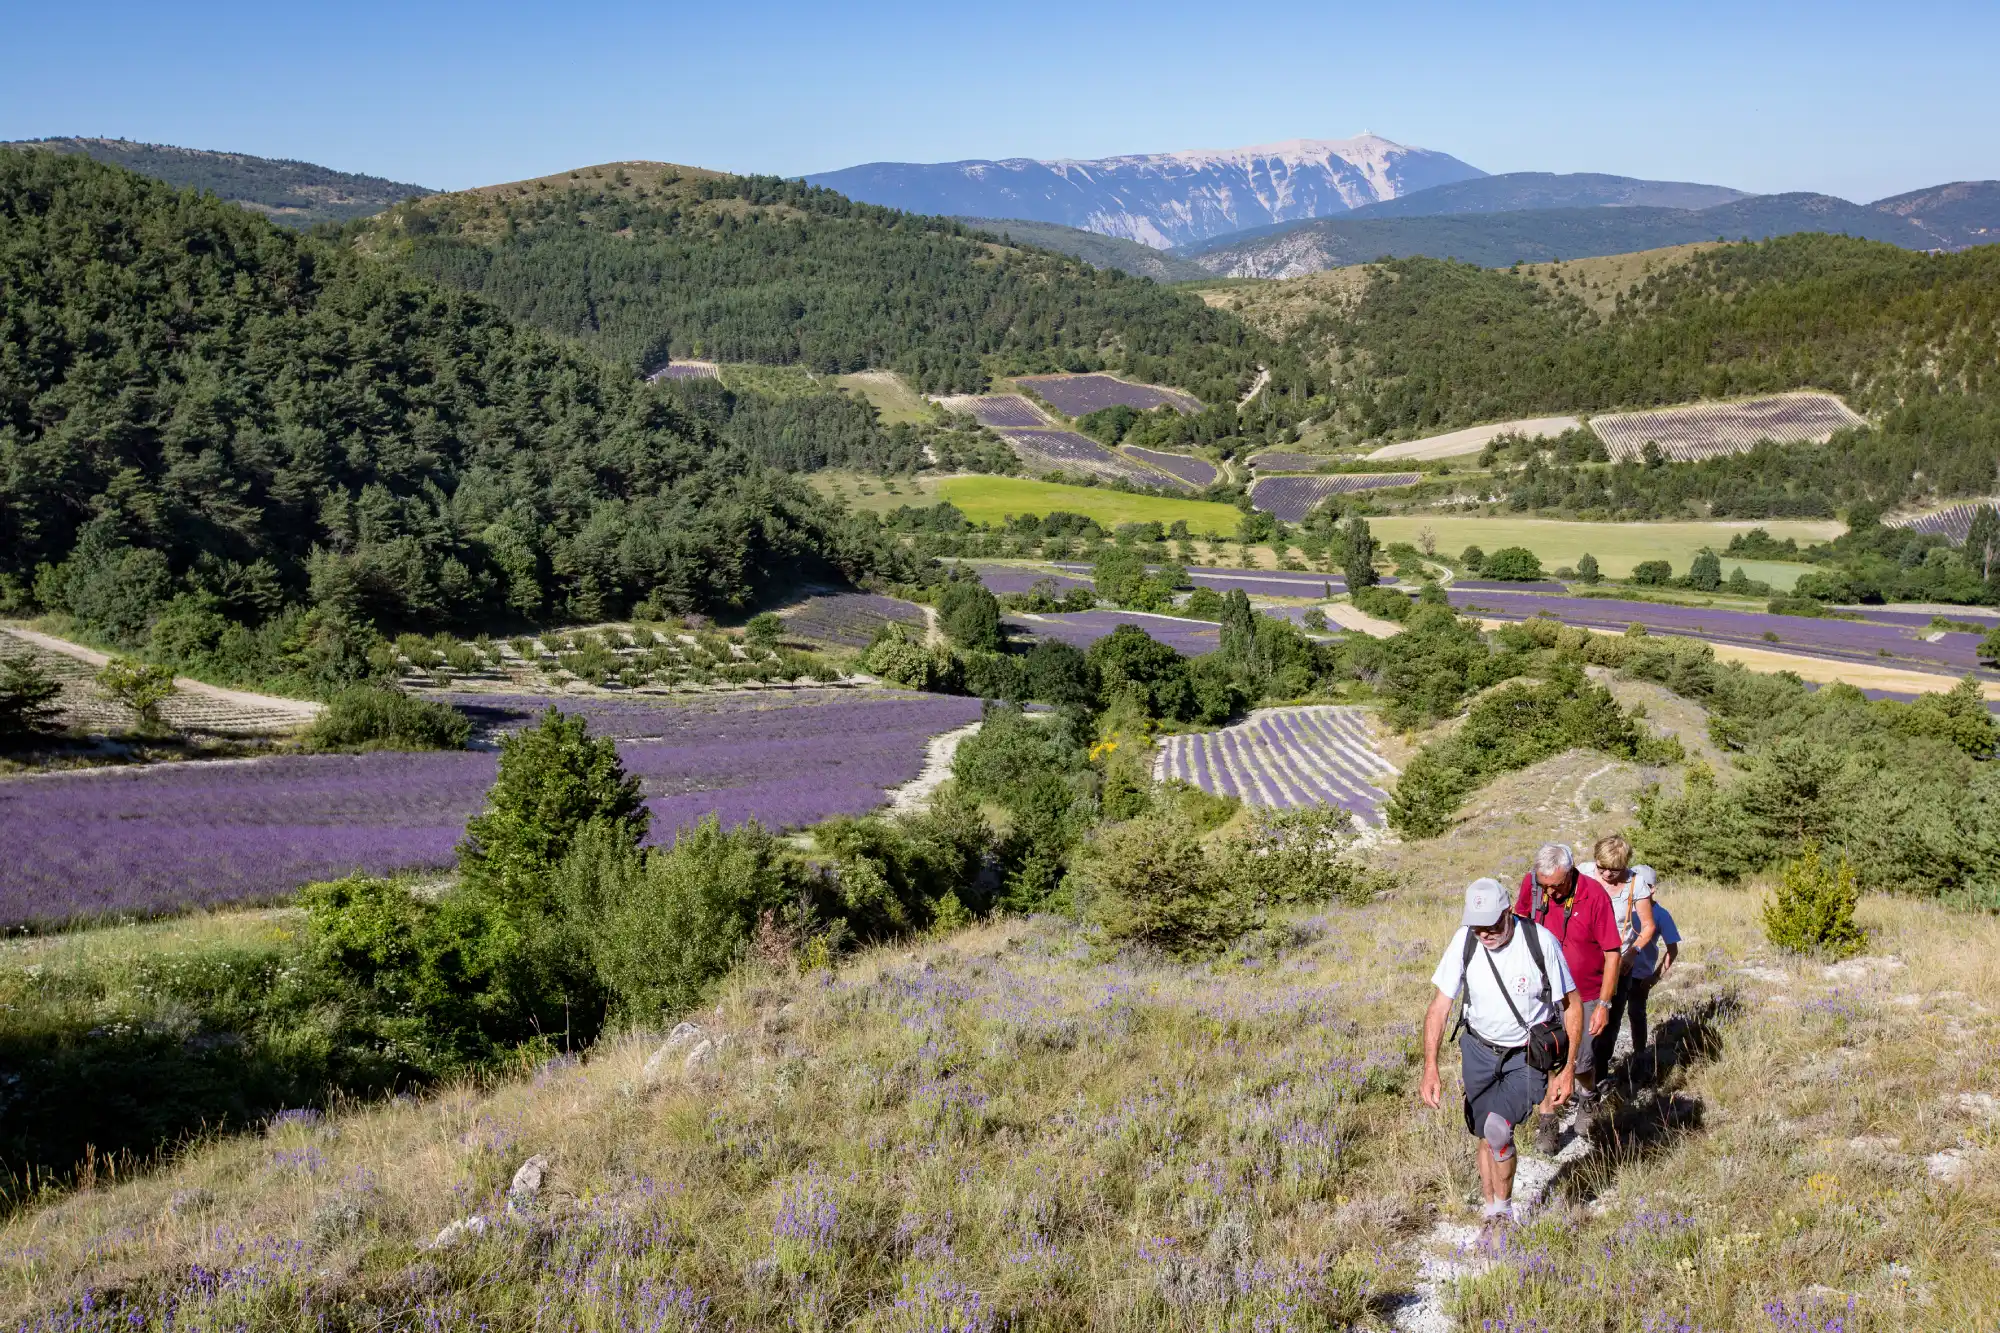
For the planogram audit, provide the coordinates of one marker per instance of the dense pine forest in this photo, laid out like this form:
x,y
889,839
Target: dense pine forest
x,y
643,261
1906,338
245,438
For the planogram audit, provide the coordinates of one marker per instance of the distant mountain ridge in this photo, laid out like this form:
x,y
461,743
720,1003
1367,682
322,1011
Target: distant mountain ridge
x,y
291,193
1950,217
1517,190
1094,248
1162,199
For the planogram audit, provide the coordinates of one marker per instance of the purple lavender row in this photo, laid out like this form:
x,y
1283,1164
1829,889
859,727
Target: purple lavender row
x,y
1080,395
1840,639
148,840
1083,628
1194,471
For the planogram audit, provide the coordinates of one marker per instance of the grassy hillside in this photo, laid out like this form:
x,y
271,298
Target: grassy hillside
x,y
1904,337
1096,250
643,261
217,424
293,194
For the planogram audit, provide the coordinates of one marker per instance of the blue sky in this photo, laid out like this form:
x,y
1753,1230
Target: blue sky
x,y
1859,101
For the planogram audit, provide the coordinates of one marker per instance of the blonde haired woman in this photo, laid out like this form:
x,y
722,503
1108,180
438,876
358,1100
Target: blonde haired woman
x,y
1631,888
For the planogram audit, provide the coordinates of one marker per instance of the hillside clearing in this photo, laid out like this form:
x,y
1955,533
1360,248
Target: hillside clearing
x,y
895,402
997,1126
989,499
1617,546
1474,438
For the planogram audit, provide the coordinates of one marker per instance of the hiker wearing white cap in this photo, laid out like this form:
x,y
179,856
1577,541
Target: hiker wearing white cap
x,y
1522,1025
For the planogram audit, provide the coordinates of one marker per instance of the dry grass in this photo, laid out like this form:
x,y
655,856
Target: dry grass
x,y
1279,309
1599,281
893,400
999,1128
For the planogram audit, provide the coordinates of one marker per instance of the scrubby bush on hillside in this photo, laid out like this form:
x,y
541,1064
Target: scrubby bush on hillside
x,y
1150,881
901,658
27,701
1384,602
1515,726
970,615
1301,857
139,687
378,717
1812,909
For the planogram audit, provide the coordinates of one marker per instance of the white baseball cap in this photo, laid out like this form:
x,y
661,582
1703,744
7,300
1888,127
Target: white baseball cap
x,y
1485,903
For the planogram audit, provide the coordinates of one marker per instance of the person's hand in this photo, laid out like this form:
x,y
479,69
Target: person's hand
x,y
1561,1085
1599,1018
1430,1088
1665,965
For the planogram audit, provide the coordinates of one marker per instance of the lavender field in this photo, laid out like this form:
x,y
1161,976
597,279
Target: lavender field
x,y
997,409
1083,628
849,619
142,841
1290,499
1011,578
1080,395
1067,451
1869,642
1709,430
1321,754
1194,471
1953,523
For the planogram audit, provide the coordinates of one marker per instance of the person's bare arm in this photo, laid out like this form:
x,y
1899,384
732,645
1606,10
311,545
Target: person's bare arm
x,y
1605,993
1431,1089
1647,928
1669,952
1565,1078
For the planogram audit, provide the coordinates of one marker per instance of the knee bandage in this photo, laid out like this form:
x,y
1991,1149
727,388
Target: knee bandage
x,y
1499,1136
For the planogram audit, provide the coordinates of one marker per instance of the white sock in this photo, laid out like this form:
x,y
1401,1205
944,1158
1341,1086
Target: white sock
x,y
1494,1208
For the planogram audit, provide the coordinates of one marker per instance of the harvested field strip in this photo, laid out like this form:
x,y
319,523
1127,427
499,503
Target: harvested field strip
x,y
1953,523
1067,451
193,706
1709,430
998,409
1474,438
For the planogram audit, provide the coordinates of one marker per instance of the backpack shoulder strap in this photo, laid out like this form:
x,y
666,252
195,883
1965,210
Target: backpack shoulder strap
x,y
1533,931
1464,979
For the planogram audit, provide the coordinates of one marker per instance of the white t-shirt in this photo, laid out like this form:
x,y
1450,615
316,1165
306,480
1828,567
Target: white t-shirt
x,y
1486,1010
1639,884
1647,960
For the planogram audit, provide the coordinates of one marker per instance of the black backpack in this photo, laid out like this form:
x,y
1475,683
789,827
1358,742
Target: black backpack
x,y
1548,1041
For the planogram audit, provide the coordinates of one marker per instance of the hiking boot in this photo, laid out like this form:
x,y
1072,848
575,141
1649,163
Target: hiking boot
x,y
1548,1137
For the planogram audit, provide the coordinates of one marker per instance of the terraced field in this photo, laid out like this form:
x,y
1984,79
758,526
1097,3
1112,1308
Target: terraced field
x,y
998,409
1292,498
192,707
1711,430
1067,451
1953,523
1194,471
1317,754
1079,395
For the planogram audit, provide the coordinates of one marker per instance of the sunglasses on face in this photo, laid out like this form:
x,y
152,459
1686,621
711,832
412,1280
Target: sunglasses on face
x,y
1488,932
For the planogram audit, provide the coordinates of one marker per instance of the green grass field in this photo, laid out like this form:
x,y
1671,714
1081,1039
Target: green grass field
x,y
1617,546
990,499
893,400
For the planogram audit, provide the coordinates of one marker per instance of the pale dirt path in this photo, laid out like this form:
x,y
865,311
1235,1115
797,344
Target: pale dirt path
x,y
1263,378
939,752
302,710
1349,616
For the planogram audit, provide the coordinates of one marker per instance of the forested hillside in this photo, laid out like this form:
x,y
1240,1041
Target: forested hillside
x,y
207,422
293,194
1908,339
643,261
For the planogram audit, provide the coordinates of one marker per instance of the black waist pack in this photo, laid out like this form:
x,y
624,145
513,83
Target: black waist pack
x,y
1548,1041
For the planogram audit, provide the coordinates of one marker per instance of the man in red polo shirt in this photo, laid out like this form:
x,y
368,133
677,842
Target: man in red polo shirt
x,y
1576,910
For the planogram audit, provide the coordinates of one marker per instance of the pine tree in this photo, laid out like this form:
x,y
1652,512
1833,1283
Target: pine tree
x,y
1586,569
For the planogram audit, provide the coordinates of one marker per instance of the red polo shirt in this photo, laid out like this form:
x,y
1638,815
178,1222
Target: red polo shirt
x,y
1587,927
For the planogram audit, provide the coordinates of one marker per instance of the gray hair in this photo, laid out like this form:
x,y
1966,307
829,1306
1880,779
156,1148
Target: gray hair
x,y
1553,858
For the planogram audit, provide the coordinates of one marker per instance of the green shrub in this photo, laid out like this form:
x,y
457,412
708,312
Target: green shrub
x,y
555,780
139,686
1384,602
900,660
1652,573
1300,856
27,701
381,717
663,925
761,630
1150,881
1812,909
970,615
1516,564
1586,569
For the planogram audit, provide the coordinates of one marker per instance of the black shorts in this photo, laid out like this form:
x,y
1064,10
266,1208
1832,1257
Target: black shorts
x,y
1497,1083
